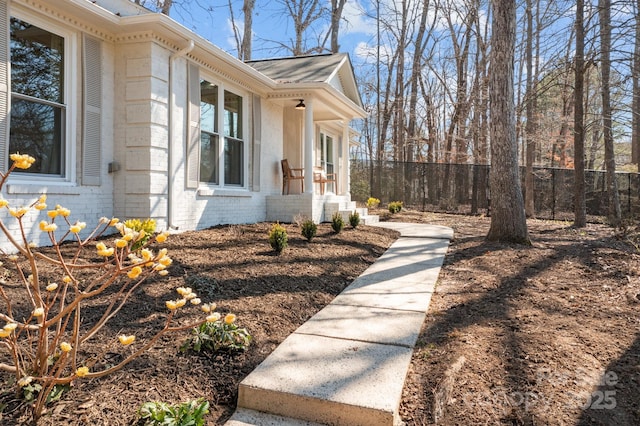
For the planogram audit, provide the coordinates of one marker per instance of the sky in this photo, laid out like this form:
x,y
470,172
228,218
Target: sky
x,y
211,20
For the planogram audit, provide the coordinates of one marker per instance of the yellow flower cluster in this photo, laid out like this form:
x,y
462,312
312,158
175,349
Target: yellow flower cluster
x,y
82,371
22,161
47,227
52,287
103,250
77,227
126,340
8,329
59,211
65,347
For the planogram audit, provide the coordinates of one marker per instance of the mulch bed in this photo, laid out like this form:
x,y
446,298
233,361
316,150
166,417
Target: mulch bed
x,y
540,334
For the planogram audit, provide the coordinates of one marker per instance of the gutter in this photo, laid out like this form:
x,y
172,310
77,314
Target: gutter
x,y
170,196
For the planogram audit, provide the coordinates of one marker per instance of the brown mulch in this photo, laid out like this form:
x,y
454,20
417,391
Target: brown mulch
x,y
540,334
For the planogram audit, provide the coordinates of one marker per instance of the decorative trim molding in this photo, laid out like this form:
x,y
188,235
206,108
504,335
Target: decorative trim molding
x,y
51,12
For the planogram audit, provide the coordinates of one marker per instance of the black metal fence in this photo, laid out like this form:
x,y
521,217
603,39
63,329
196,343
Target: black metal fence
x,y
464,188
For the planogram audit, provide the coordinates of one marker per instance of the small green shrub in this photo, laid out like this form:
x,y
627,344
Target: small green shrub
x,y
146,229
278,238
218,333
354,219
337,222
395,207
190,413
309,229
372,203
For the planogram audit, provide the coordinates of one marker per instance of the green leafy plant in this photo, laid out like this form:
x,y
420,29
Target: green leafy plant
x,y
43,343
309,229
354,219
190,413
395,207
217,334
278,238
372,202
337,222
145,228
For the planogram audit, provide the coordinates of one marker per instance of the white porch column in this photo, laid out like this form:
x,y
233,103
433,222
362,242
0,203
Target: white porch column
x,y
345,176
308,146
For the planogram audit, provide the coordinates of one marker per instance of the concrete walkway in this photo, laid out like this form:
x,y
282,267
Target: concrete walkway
x,y
348,363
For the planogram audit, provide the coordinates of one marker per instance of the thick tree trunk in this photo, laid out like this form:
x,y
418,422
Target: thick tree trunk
x,y
580,208
508,220
614,213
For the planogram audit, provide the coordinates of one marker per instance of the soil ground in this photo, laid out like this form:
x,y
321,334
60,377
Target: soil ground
x,y
540,334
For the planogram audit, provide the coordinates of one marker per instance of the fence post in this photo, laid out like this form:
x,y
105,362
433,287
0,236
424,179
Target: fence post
x,y
553,197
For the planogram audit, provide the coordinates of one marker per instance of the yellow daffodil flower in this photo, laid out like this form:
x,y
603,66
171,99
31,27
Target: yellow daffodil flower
x,y
171,305
66,279
52,213
4,333
121,243
65,347
113,221
229,319
165,260
126,340
181,302
40,206
82,371
52,287
38,312
196,301
43,198
3,202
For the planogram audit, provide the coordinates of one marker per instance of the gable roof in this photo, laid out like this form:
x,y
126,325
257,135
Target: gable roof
x,y
332,68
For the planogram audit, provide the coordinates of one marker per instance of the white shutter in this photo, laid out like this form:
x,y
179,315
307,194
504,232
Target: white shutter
x,y
5,84
92,93
193,116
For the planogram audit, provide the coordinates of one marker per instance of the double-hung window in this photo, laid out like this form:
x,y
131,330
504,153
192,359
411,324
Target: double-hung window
x,y
38,97
230,157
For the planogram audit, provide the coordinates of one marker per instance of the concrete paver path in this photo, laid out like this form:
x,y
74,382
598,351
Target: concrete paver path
x,y
348,363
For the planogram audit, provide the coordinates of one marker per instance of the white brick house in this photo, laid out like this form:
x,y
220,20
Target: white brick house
x,y
131,115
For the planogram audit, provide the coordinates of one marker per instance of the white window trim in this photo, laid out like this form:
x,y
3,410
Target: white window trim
x,y
72,79
220,187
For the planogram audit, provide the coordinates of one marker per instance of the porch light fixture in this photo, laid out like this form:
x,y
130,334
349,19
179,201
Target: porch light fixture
x,y
300,105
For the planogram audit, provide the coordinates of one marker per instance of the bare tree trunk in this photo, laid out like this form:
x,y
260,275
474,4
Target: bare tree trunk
x,y
614,213
508,220
245,48
578,122
337,6
635,73
531,127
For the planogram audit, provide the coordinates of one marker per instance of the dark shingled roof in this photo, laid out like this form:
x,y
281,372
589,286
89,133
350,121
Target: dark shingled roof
x,y
300,69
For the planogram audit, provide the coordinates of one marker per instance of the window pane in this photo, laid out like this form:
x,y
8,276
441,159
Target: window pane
x,y
37,62
37,129
232,115
233,161
208,158
208,107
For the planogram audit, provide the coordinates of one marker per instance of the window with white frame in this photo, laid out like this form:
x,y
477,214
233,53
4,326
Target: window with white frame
x,y
38,96
230,157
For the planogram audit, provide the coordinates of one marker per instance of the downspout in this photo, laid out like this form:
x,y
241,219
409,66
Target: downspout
x,y
172,59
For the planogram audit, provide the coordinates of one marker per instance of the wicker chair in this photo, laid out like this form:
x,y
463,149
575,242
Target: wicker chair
x,y
289,174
